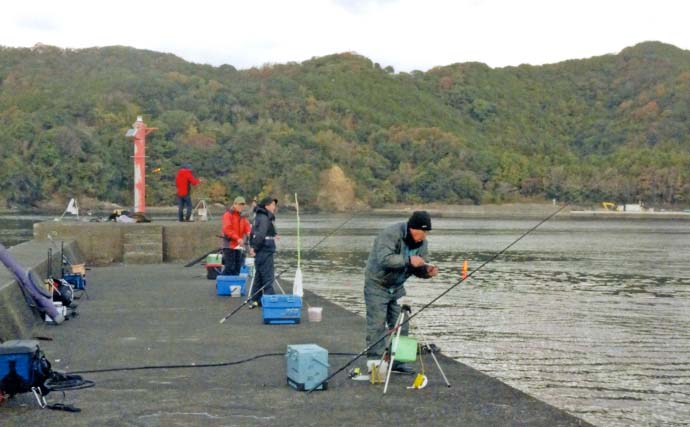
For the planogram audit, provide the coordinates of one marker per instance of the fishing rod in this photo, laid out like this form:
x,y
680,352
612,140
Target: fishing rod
x,y
229,315
441,295
196,260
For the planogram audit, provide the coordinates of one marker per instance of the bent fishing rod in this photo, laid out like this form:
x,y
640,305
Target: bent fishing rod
x,y
441,295
249,298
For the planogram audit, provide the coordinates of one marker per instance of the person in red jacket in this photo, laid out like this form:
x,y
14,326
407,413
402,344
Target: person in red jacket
x,y
184,181
235,228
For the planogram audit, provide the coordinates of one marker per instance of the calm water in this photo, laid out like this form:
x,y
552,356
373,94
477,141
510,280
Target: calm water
x,y
17,228
590,316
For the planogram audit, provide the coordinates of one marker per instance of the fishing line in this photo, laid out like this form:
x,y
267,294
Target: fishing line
x,y
286,269
441,295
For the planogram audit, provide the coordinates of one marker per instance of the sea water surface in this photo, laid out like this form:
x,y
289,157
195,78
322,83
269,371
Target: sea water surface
x,y
17,227
591,316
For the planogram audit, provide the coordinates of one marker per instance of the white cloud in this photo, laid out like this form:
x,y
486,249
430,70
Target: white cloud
x,y
407,34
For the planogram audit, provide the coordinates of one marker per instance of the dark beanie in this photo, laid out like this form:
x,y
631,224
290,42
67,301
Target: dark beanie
x,y
420,220
267,201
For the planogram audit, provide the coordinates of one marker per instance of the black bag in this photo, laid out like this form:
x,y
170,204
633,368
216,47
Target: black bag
x,y
63,292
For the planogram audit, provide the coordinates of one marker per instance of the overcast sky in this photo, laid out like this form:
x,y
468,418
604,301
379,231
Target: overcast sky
x,y
406,34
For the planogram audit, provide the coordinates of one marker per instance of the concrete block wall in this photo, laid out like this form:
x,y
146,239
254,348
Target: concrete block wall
x,y
186,241
104,243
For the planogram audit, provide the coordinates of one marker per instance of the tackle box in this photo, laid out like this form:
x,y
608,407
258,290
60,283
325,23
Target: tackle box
x,y
307,366
233,286
15,360
281,309
214,266
76,280
214,260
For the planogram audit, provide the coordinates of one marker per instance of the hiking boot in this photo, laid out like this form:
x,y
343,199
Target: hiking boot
x,y
402,368
253,304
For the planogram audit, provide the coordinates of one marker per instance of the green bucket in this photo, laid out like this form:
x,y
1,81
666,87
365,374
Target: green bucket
x,y
405,349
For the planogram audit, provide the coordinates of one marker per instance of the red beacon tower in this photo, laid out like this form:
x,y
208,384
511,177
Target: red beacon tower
x,y
138,134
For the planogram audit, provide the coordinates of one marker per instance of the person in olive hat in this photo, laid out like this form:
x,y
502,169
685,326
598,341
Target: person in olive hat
x,y
263,246
235,229
399,251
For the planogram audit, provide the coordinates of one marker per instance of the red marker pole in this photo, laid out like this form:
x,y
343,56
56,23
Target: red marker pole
x,y
138,134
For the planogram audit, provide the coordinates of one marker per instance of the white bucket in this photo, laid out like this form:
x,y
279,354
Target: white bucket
x,y
61,309
315,314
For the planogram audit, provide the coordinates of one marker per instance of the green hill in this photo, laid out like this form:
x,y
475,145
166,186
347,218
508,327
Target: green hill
x,y
614,127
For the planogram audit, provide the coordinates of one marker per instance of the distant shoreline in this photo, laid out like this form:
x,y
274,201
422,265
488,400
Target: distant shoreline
x,y
489,211
531,210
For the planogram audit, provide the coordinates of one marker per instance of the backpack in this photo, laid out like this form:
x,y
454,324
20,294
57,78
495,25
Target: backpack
x,y
63,292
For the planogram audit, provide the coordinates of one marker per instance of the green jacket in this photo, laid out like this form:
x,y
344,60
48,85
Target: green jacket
x,y
389,261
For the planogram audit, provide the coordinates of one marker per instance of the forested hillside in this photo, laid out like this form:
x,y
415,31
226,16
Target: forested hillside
x,y
615,127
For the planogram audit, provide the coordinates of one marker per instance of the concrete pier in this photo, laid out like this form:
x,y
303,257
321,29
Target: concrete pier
x,y
165,314
157,323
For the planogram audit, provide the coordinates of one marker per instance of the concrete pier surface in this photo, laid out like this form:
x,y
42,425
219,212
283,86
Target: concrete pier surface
x,y
166,314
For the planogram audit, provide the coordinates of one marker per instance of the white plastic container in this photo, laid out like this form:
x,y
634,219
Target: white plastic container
x,y
61,309
315,314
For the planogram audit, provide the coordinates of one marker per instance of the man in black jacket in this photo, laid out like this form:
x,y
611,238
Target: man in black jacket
x,y
399,251
263,244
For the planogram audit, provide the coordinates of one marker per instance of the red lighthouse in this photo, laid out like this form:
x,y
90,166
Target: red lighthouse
x,y
138,134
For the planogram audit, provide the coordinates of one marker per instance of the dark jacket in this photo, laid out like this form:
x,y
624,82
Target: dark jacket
x,y
389,261
263,231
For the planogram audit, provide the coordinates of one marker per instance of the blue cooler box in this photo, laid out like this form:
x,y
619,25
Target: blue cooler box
x,y
76,280
231,285
307,366
281,309
16,359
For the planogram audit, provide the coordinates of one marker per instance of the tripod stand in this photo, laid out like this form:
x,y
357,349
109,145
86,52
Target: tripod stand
x,y
394,343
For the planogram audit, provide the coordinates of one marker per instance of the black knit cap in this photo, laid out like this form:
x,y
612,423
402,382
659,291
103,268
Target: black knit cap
x,y
420,220
267,201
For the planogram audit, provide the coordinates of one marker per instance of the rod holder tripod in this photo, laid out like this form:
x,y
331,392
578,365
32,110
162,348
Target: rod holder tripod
x,y
395,339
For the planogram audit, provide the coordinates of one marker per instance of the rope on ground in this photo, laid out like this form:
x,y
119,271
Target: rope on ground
x,y
195,365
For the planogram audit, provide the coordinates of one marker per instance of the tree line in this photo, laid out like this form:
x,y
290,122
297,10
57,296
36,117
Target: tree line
x,y
613,127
